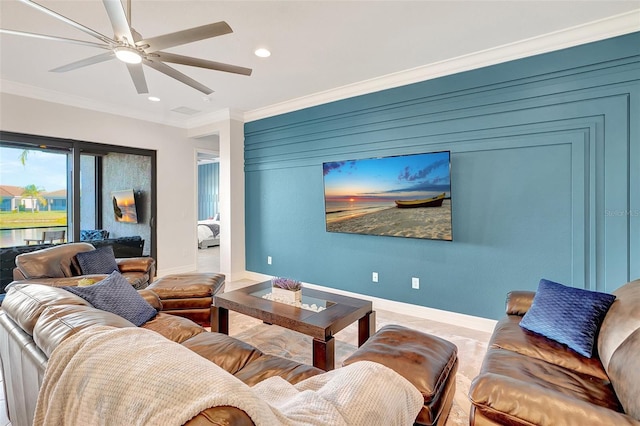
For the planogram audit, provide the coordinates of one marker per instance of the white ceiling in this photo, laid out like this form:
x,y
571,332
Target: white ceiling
x,y
316,46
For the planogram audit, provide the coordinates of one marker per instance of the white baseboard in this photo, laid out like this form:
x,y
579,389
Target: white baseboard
x,y
461,320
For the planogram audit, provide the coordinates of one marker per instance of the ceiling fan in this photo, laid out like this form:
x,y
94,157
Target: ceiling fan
x,y
130,47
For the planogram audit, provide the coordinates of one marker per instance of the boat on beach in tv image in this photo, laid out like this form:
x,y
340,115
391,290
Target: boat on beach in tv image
x,y
399,196
124,206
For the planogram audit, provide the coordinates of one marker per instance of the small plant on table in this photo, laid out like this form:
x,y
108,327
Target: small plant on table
x,y
286,289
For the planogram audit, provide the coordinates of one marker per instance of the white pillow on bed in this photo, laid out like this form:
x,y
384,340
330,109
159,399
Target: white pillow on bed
x,y
208,222
204,233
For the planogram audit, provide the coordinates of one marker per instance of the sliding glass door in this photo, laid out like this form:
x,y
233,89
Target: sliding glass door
x,y
33,194
81,188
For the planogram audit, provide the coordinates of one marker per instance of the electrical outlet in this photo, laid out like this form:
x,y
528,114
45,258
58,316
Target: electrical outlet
x,y
415,283
374,277
268,260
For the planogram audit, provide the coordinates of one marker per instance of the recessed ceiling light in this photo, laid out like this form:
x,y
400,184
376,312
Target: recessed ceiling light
x,y
154,98
262,53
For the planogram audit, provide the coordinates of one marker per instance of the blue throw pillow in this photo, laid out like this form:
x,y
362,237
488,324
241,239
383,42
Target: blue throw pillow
x,y
568,315
98,261
93,234
115,294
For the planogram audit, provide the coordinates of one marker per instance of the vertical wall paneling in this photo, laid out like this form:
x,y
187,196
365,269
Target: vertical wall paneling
x,y
634,185
208,185
545,182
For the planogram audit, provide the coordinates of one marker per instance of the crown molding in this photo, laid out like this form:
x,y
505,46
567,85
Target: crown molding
x,y
28,91
569,37
214,117
590,32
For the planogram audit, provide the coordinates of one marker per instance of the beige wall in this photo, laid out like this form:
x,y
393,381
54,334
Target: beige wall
x,y
177,210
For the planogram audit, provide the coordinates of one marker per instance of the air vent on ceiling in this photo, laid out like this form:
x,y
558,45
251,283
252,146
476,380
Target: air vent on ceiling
x,y
185,110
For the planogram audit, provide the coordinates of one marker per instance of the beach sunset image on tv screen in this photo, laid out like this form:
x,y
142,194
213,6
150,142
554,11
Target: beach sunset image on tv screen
x,y
401,196
124,206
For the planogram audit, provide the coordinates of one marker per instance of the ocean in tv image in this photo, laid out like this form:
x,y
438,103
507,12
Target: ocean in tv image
x,y
124,206
401,196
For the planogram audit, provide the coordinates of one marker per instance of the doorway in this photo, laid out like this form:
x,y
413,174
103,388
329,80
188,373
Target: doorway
x,y
208,208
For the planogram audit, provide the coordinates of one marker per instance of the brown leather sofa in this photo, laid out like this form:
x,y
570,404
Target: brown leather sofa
x,y
56,266
35,319
527,379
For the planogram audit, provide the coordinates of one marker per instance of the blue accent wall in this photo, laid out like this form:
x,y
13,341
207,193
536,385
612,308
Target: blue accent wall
x,y
545,162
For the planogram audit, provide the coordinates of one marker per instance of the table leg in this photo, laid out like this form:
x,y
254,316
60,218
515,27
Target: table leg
x,y
219,320
366,327
324,354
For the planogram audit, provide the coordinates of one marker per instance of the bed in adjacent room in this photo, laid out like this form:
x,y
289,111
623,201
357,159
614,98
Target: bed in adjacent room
x,y
208,233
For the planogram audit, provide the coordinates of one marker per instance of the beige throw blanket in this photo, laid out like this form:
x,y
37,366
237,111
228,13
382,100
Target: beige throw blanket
x,y
117,376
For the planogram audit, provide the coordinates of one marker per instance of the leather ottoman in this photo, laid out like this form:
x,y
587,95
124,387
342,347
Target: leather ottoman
x,y
189,295
428,362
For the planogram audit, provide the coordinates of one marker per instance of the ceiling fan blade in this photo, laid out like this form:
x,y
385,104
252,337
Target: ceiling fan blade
x,y
85,62
54,38
137,75
202,63
71,22
166,69
119,22
185,36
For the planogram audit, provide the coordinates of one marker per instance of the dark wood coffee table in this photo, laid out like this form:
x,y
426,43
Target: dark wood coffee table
x,y
340,312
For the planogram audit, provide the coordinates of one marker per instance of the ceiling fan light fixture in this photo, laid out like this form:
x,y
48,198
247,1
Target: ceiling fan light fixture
x,y
128,55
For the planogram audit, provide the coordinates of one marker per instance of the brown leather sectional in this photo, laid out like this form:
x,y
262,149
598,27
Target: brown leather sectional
x,y
35,319
56,266
527,379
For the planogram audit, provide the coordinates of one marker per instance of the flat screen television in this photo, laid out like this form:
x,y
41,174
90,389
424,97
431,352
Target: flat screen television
x,y
399,196
124,206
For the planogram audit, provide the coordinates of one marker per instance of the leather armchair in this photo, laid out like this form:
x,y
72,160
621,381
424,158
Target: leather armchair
x,y
56,266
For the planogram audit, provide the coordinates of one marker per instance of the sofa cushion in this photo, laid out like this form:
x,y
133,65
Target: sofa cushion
x,y
622,320
568,315
514,389
98,261
188,286
115,294
510,336
171,327
57,323
619,345
52,262
225,351
270,365
25,303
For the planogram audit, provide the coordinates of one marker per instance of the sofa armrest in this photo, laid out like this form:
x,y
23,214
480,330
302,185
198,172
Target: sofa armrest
x,y
138,264
519,302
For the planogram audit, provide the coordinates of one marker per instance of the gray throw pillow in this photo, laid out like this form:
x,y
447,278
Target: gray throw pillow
x,y
98,261
115,294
